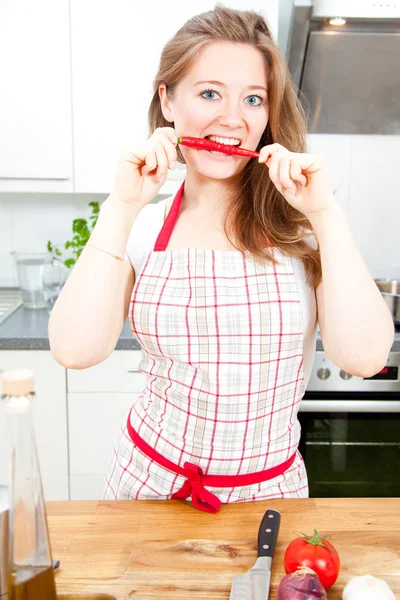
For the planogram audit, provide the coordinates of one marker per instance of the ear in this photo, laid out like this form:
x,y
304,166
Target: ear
x,y
166,105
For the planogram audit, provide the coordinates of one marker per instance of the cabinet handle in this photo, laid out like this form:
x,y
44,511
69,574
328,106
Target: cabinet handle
x,y
133,370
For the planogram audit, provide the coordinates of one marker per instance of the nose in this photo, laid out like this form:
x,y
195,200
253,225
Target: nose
x,y
232,115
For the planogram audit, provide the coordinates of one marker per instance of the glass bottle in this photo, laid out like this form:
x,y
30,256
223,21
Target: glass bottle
x,y
31,573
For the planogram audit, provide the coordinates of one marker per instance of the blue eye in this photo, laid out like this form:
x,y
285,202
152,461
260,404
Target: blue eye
x,y
261,100
208,92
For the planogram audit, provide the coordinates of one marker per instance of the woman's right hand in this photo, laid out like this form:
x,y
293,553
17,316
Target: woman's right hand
x,y
142,170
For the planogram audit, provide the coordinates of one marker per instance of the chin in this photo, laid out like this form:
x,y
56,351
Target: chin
x,y
218,170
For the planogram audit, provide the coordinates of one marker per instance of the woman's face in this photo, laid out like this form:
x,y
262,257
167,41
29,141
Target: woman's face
x,y
236,108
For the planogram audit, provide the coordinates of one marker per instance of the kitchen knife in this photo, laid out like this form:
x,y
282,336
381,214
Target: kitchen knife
x,y
254,585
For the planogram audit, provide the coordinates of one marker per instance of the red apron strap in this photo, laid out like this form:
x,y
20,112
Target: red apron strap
x,y
169,224
202,499
166,229
195,481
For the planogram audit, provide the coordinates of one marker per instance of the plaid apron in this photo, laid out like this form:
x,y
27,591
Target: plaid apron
x,y
222,351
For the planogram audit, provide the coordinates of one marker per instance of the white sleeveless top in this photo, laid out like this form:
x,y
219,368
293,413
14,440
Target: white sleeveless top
x,y
142,238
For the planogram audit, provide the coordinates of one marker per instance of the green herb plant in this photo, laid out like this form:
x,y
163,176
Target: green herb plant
x,y
81,234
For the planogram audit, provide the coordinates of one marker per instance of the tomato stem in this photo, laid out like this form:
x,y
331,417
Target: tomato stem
x,y
316,540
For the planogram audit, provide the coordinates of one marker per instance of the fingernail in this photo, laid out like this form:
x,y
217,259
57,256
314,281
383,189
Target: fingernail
x,y
173,165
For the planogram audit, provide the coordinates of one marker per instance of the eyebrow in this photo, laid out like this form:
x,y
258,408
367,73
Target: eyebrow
x,y
250,87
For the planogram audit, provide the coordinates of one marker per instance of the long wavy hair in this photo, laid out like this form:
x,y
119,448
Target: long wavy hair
x,y
258,212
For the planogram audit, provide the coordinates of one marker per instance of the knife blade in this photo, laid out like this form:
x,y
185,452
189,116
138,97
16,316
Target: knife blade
x,y
254,585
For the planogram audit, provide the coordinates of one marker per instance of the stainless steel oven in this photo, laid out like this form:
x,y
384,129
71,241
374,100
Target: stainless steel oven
x,y
350,438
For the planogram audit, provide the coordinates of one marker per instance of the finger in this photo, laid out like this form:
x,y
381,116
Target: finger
x,y
136,156
310,163
269,150
170,151
275,147
170,148
273,164
150,162
284,174
265,154
162,162
169,132
296,173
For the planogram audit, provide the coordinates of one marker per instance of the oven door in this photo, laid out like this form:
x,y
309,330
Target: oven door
x,y
351,444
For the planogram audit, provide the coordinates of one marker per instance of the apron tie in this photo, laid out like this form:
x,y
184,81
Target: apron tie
x,y
195,480
202,499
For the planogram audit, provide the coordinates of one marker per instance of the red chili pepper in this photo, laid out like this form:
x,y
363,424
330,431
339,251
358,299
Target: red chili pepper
x,y
205,144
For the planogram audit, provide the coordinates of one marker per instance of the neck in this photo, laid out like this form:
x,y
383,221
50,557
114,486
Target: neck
x,y
208,194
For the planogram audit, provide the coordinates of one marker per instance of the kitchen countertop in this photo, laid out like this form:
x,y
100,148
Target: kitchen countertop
x,y
26,329
169,550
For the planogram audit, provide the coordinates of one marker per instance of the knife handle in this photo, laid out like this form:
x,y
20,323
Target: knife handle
x,y
268,533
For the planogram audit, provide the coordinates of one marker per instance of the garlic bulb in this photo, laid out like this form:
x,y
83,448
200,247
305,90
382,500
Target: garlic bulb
x,y
367,587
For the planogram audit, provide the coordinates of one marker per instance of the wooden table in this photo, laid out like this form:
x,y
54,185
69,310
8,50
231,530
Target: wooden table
x,y
156,549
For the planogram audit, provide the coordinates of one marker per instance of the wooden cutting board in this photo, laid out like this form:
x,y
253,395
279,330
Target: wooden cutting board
x,y
156,549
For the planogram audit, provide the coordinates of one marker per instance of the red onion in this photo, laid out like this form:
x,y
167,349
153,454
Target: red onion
x,y
301,585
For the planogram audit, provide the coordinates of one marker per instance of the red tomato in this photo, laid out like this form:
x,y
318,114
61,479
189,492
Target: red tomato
x,y
316,553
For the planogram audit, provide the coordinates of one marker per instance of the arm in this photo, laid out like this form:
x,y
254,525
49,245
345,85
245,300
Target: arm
x,y
356,326
91,309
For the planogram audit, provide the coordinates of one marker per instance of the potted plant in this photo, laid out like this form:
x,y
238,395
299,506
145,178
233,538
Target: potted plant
x,y
81,234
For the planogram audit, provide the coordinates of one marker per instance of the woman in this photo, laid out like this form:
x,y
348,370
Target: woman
x,y
230,276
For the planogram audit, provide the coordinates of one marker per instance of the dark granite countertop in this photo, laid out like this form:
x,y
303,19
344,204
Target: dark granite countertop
x,y
26,329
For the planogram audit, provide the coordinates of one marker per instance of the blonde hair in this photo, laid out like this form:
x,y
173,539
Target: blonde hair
x,y
258,212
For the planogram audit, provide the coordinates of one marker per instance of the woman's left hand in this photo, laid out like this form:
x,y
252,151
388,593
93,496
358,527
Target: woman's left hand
x,y
302,179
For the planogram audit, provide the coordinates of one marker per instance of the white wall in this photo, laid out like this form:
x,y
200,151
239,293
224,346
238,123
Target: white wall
x,y
28,220
365,170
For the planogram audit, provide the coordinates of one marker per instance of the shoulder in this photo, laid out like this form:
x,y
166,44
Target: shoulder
x,y
148,213
310,239
144,232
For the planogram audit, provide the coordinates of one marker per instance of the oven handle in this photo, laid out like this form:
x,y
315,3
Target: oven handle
x,y
350,406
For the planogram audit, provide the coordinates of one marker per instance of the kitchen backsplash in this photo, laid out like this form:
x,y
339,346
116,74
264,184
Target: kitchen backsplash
x,y
364,170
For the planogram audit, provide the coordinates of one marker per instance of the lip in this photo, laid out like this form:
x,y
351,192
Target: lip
x,y
219,156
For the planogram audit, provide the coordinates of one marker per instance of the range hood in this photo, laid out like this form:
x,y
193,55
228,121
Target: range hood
x,y
344,57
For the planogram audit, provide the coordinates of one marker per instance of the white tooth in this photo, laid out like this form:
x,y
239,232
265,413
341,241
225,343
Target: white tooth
x,y
226,141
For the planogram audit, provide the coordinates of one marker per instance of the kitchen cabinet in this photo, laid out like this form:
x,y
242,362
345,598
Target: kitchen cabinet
x,y
99,398
35,101
76,89
49,416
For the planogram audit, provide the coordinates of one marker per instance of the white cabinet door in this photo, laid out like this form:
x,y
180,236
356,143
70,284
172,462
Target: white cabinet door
x,y
99,398
115,57
94,424
35,98
49,416
118,373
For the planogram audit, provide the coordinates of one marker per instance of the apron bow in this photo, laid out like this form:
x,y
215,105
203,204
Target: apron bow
x,y
202,499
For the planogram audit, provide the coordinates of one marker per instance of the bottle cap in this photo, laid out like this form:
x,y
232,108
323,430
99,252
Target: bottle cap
x,y
18,382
